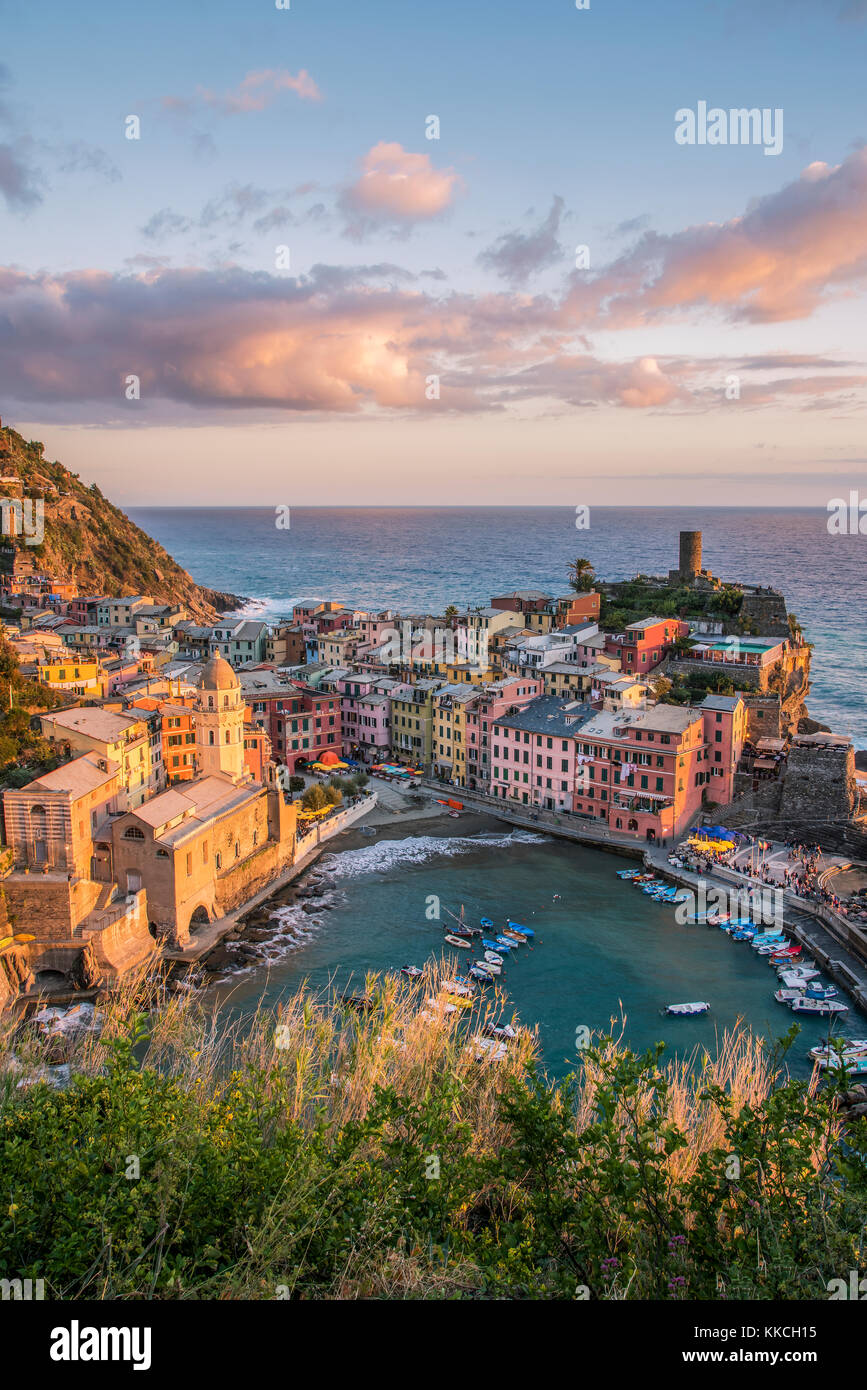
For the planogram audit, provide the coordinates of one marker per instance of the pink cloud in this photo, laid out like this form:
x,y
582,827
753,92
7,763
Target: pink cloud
x,y
780,260
256,91
399,187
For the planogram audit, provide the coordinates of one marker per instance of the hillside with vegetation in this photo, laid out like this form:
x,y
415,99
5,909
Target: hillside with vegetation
x,y
326,1153
89,540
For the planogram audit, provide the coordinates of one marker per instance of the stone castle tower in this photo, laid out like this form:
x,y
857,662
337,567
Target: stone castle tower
x,y
220,723
690,555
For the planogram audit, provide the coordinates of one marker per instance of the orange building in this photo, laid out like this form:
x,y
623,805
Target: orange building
x,y
178,734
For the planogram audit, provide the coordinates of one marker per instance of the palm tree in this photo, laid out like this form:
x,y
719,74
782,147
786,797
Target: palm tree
x,y
581,575
450,614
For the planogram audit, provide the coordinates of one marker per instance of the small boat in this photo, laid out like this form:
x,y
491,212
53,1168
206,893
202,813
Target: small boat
x,y
687,1010
486,923
493,958
791,978
487,1049
820,1007
506,1033
483,973
855,1065
515,936
505,941
817,991
442,1005
412,972
519,927
457,987
628,873
852,1047
785,996
492,967
362,1002
457,1001
499,944
456,941
463,932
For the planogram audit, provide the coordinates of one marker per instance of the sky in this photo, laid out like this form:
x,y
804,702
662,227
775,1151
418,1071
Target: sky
x,y
464,253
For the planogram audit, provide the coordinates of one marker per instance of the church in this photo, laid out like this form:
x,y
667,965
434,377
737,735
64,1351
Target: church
x,y
204,847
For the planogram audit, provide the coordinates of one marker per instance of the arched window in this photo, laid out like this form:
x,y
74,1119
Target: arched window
x,y
210,702
210,736
133,833
218,860
228,736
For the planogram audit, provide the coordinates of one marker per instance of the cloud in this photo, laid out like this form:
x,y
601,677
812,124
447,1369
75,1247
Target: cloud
x,y
516,256
234,206
396,188
789,252
19,183
256,91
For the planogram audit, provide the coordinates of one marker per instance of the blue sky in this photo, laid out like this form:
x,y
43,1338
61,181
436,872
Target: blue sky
x,y
549,117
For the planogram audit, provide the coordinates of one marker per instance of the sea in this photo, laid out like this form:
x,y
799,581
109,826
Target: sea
x,y
420,559
605,958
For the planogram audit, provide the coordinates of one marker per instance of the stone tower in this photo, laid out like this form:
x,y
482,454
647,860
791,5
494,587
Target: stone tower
x,y
690,555
220,723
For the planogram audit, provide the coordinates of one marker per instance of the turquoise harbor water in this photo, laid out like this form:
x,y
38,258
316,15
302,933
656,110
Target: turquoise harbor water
x,y
603,948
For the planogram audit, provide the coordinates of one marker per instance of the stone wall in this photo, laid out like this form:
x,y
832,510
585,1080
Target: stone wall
x,y
765,609
820,783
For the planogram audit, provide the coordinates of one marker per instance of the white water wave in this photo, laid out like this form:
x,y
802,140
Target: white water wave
x,y
418,849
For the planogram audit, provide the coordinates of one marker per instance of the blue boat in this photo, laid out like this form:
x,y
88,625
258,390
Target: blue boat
x,y
478,973
498,945
517,926
485,922
502,942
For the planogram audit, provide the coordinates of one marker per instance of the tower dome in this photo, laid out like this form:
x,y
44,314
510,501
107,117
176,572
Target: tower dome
x,y
217,674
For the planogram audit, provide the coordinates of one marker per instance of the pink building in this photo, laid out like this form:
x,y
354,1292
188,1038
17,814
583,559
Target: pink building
x,y
641,646
493,701
365,712
534,753
725,726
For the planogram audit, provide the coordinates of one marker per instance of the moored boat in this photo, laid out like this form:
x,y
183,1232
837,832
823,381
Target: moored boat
x,y
412,972
519,927
456,941
820,1007
501,947
687,1010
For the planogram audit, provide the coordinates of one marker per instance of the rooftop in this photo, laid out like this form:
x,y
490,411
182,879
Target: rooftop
x,y
78,777
93,723
549,714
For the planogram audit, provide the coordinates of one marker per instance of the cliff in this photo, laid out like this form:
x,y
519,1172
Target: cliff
x,y
89,540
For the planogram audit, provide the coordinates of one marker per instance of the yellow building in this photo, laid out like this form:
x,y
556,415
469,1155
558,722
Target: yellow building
x,y
449,735
412,720
79,675
116,738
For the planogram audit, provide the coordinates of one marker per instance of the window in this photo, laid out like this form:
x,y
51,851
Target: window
x,y
133,833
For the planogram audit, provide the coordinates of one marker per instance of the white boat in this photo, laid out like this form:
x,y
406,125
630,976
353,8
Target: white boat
x,y
441,1006
494,966
856,1065
852,1047
487,1048
687,1009
456,941
785,996
455,987
820,1007
791,978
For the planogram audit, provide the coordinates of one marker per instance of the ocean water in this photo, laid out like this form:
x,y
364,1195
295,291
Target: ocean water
x,y
603,950
419,559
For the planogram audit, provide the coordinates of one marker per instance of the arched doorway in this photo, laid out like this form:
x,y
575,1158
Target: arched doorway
x,y
199,918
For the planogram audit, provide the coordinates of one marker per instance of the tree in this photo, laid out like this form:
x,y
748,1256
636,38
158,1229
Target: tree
x,y
450,615
296,784
581,575
333,795
314,799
